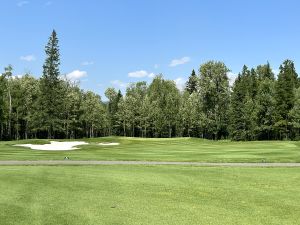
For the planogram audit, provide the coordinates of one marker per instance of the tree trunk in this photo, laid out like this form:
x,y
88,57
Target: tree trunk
x,y
132,130
17,128
26,129
10,111
1,132
124,128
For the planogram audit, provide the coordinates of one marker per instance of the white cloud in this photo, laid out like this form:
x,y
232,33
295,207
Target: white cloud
x,y
276,72
28,58
17,76
141,74
231,76
22,3
176,62
87,63
151,75
119,83
180,83
76,75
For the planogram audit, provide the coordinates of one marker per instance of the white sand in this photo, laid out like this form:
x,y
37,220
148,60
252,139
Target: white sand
x,y
55,146
109,144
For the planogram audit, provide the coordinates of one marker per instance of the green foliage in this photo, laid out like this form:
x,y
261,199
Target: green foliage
x,y
285,96
191,85
257,107
265,71
294,115
51,100
243,106
215,95
114,98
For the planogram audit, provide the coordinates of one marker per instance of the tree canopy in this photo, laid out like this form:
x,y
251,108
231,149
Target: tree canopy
x,y
257,106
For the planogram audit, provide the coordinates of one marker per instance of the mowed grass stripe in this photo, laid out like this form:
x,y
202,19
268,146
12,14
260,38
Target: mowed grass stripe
x,y
148,195
175,149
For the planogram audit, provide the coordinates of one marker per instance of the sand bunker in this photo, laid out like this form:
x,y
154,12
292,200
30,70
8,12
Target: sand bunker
x,y
109,143
55,146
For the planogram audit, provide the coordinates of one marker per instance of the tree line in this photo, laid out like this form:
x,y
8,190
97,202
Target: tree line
x,y
257,106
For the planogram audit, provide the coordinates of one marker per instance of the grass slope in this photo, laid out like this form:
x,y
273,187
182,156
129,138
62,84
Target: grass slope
x,y
155,195
177,149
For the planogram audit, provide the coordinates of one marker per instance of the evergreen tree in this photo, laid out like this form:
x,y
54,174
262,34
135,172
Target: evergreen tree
x,y
191,85
265,109
265,71
237,111
51,99
294,115
253,84
243,105
285,96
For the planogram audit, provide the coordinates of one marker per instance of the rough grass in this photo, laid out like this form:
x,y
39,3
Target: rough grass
x,y
177,149
155,195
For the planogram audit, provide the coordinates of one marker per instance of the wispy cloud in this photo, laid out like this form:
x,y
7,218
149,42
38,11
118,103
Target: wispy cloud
x,y
87,63
156,66
119,83
76,75
28,58
140,74
22,3
176,62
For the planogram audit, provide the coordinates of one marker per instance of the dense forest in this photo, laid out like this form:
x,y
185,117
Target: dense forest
x,y
258,106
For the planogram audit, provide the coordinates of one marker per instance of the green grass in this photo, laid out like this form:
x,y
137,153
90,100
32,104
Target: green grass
x,y
117,195
177,149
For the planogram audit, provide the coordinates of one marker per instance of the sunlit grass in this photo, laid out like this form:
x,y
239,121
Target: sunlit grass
x,y
175,149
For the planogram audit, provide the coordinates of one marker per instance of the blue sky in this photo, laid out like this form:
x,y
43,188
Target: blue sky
x,y
112,42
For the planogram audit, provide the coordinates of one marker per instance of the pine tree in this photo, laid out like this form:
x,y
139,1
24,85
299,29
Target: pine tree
x,y
237,111
51,99
285,96
265,71
243,105
295,115
265,109
191,85
253,84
